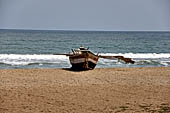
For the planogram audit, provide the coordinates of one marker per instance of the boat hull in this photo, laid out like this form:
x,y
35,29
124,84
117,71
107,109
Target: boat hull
x,y
83,62
81,66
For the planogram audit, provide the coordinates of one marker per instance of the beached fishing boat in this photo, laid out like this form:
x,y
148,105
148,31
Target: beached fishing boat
x,y
83,59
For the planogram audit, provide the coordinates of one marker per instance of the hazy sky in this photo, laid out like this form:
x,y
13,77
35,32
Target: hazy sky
x,y
85,14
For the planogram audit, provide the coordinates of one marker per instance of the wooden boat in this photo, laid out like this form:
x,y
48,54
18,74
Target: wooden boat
x,y
83,59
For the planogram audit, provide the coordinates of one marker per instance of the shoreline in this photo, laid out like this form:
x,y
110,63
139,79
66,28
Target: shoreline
x,y
69,68
143,89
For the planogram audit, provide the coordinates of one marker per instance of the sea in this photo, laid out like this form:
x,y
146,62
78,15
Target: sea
x,y
36,48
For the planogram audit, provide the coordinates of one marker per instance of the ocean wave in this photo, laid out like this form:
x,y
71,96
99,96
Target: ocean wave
x,y
18,59
140,55
141,59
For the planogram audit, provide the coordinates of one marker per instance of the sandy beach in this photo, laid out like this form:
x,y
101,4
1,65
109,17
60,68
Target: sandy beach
x,y
102,90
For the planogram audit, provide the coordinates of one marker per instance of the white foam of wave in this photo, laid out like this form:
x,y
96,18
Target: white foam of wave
x,y
164,63
18,59
140,55
140,59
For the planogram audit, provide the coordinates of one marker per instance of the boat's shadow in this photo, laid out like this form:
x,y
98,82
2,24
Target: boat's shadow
x,y
75,70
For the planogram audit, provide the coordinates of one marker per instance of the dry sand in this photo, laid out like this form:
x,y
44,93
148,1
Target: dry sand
x,y
111,90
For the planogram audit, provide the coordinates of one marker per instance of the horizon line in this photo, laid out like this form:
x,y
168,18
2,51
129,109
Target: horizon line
x,y
83,30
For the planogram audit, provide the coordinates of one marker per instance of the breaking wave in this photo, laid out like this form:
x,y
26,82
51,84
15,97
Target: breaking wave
x,y
141,55
17,59
60,61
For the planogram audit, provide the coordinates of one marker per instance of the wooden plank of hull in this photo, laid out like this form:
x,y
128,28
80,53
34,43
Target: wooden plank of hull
x,y
77,60
82,60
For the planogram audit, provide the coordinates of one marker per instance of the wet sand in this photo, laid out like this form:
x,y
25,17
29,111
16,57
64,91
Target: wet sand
x,y
102,90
